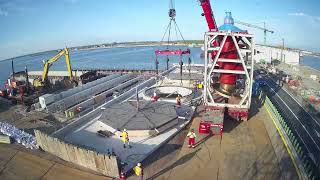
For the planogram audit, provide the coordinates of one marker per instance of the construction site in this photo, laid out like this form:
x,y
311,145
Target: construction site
x,y
238,115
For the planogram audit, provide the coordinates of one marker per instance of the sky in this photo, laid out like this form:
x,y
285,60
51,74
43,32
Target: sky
x,y
30,26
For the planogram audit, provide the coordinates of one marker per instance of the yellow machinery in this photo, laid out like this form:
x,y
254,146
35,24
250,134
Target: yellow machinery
x,y
48,63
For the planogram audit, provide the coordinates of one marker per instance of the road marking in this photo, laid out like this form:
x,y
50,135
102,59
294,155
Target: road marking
x,y
298,103
295,117
318,134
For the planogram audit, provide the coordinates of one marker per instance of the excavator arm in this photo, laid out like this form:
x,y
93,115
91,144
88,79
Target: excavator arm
x,y
54,59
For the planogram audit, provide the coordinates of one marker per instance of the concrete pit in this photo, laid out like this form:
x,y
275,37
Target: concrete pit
x,y
167,93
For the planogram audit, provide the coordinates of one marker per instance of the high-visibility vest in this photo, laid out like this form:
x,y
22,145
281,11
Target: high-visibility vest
x,y
138,171
191,135
125,136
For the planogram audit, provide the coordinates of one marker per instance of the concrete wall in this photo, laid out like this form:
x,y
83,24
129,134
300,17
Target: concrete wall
x,y
74,99
61,133
99,98
102,163
268,53
96,112
49,98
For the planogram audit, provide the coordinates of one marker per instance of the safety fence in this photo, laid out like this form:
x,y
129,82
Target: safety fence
x,y
303,163
103,163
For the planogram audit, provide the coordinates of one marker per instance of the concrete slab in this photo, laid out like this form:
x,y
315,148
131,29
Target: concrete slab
x,y
6,155
141,146
151,115
244,152
59,171
25,166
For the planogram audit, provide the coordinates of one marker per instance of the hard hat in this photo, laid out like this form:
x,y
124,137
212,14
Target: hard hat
x,y
124,130
139,164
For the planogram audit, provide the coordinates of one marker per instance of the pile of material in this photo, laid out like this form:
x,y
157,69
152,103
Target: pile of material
x,y
27,140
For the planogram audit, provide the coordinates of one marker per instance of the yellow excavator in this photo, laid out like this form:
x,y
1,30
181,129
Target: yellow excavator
x,y
44,80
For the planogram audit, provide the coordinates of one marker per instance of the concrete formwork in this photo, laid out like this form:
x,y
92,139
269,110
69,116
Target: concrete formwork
x,y
102,163
100,98
61,133
47,99
96,112
74,99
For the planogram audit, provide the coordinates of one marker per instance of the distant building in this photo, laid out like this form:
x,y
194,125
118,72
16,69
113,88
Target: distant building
x,y
267,54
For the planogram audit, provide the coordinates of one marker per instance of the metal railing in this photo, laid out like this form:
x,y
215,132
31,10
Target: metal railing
x,y
303,164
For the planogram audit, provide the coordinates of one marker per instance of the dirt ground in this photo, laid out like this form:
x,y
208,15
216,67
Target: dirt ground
x,y
243,152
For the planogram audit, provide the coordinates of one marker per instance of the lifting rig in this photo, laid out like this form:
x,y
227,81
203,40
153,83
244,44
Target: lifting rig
x,y
167,51
47,64
228,74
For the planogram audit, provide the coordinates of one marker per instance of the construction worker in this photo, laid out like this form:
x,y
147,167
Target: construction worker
x,y
178,100
125,138
138,171
122,176
192,136
154,98
200,85
195,87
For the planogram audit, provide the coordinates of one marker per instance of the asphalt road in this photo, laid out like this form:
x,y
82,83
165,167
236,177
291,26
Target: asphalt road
x,y
305,127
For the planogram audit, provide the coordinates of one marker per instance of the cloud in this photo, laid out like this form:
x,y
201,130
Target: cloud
x,y
3,12
301,14
297,14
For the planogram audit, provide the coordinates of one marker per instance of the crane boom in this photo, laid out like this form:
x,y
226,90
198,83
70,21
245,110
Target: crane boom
x,y
207,12
254,26
264,29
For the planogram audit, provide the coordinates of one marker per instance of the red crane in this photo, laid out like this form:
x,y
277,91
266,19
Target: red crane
x,y
207,12
224,47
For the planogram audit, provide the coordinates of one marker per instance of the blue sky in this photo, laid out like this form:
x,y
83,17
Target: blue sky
x,y
28,26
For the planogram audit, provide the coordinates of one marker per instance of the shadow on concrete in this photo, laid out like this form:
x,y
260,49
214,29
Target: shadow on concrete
x,y
162,152
4,105
265,167
203,140
180,161
256,104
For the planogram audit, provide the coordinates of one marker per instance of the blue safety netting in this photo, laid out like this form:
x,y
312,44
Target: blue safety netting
x,y
19,136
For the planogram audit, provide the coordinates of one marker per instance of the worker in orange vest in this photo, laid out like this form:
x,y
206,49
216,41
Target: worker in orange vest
x,y
192,136
178,100
125,138
138,171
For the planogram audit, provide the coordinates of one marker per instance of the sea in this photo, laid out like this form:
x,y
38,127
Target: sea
x,y
141,57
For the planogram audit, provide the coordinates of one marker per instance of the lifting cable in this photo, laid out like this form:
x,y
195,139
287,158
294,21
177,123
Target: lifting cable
x,y
172,26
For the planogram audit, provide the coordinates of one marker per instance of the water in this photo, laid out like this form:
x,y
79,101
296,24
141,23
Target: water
x,y
313,62
129,58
